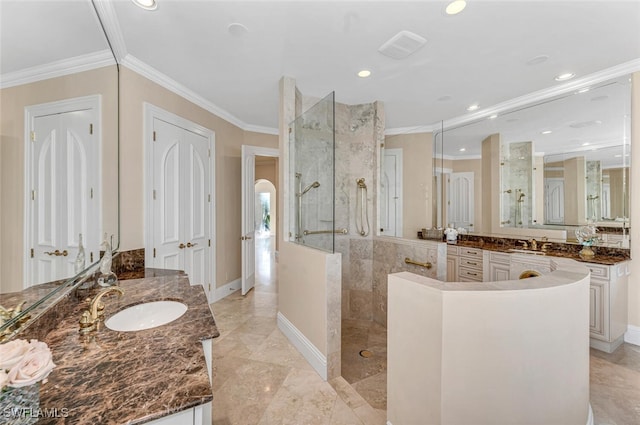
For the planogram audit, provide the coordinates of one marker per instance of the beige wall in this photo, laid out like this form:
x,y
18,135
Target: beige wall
x,y
490,184
228,141
417,174
574,190
617,179
538,172
13,100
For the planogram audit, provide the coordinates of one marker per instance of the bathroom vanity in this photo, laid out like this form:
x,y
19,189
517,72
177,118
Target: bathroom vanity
x,y
160,375
470,261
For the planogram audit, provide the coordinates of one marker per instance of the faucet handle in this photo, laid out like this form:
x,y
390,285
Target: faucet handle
x,y
525,244
86,323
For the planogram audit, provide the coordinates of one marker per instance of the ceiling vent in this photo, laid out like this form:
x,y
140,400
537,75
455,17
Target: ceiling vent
x,y
402,45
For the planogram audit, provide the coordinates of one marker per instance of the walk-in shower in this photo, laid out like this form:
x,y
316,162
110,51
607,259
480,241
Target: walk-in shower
x,y
311,171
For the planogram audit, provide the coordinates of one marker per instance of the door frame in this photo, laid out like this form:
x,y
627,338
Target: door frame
x,y
249,150
151,112
56,107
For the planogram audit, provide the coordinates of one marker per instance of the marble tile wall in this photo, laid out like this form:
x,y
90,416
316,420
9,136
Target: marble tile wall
x,y
359,129
388,257
516,177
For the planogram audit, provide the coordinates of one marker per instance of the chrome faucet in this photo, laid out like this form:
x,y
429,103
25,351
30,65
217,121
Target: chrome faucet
x,y
91,317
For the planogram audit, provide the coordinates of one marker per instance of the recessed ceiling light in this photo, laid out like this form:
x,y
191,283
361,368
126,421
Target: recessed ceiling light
x,y
566,76
456,7
538,60
364,73
462,149
493,117
584,90
146,4
473,107
547,132
237,30
586,144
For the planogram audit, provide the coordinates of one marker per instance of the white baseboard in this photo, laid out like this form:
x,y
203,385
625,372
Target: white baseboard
x,y
226,290
316,359
632,335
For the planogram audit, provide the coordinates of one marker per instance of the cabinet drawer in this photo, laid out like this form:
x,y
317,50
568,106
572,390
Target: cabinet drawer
x,y
452,250
499,257
470,252
599,271
471,263
465,274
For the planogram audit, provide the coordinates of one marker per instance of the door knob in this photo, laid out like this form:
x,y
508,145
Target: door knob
x,y
57,253
181,246
189,244
247,237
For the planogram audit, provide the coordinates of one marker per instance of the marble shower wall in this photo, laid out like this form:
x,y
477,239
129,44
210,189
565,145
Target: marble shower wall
x,y
359,133
594,190
517,183
388,257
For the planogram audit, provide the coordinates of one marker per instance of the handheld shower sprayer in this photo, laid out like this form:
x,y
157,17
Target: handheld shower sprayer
x,y
308,188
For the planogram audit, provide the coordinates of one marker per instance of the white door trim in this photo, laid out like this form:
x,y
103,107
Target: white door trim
x,y
152,112
57,107
247,151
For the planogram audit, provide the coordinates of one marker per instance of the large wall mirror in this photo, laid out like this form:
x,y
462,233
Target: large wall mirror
x,y
540,169
58,146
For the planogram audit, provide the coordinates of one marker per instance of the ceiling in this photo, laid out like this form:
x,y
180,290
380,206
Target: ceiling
x,y
483,55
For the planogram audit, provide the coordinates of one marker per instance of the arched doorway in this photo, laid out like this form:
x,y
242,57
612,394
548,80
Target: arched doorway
x,y
265,205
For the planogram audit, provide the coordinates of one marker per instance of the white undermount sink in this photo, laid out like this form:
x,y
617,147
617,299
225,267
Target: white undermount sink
x,y
146,316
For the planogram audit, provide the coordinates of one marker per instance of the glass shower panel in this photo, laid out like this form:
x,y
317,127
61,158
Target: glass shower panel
x,y
312,176
517,184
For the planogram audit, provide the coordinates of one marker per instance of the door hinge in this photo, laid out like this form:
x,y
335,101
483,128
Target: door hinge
x,y
91,194
154,194
90,128
32,253
209,242
290,130
33,195
154,135
209,197
91,257
33,136
209,287
154,253
209,153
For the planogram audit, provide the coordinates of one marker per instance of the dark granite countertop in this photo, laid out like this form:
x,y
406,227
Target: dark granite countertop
x,y
111,377
607,256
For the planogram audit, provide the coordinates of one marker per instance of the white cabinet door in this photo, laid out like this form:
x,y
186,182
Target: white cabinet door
x,y
498,272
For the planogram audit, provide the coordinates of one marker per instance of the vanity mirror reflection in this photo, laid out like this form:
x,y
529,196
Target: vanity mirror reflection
x,y
539,170
58,146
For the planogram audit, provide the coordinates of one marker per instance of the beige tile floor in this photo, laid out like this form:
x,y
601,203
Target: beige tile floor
x,y
260,378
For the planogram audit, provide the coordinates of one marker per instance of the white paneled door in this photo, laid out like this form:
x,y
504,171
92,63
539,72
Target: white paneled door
x,y
181,204
62,163
248,226
461,200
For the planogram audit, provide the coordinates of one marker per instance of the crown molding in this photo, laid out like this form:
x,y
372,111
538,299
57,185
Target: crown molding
x,y
261,129
545,94
170,84
411,130
526,100
57,69
111,25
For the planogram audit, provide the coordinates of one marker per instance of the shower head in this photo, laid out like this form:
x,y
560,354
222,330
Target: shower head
x,y
308,188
